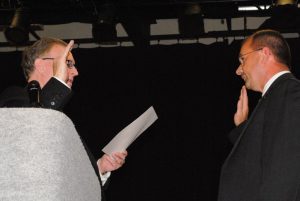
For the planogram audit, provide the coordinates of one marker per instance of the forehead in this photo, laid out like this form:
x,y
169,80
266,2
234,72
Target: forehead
x,y
57,50
246,46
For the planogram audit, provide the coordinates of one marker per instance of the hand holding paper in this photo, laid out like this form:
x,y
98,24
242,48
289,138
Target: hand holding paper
x,y
126,136
108,163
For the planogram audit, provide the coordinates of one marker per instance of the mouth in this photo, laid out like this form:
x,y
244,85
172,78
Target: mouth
x,y
244,77
70,82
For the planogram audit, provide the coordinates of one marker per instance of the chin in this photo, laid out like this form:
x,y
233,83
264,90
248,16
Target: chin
x,y
247,85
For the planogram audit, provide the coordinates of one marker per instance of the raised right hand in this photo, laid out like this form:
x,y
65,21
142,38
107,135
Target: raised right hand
x,y
60,69
242,110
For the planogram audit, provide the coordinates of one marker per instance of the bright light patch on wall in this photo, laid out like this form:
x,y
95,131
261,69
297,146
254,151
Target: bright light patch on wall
x,y
253,8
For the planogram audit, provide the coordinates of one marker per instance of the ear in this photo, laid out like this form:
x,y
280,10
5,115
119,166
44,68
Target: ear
x,y
266,51
267,54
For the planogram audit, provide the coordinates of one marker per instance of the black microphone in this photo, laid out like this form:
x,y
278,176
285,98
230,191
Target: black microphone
x,y
34,90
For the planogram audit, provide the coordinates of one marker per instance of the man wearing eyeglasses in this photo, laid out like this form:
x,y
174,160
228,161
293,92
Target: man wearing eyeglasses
x,y
50,62
264,163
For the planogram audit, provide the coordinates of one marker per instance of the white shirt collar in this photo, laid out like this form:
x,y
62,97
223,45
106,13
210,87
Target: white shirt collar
x,y
273,78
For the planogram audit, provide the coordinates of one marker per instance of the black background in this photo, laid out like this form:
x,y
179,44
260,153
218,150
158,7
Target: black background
x,y
192,87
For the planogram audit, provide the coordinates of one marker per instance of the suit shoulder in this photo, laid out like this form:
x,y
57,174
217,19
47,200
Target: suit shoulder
x,y
13,96
13,91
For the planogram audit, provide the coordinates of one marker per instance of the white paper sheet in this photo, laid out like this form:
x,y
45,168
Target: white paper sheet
x,y
126,136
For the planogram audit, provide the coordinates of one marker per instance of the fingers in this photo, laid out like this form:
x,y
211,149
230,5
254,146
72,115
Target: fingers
x,y
116,159
68,48
242,107
59,66
112,162
119,157
244,100
239,104
244,97
241,101
122,154
105,164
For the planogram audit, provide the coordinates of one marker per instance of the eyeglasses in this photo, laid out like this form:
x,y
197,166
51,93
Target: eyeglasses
x,y
242,56
69,63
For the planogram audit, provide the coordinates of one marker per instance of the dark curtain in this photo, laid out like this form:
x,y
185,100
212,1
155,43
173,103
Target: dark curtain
x,y
193,89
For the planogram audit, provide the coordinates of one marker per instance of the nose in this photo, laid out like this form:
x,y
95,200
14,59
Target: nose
x,y
73,71
239,70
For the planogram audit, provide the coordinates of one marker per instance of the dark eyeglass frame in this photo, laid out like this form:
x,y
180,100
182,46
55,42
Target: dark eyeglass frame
x,y
69,63
241,56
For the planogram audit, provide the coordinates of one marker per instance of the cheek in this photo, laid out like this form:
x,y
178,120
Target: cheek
x,y
70,72
250,68
49,71
246,69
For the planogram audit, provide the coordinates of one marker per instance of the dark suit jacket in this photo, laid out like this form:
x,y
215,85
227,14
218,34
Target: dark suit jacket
x,y
54,95
264,163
